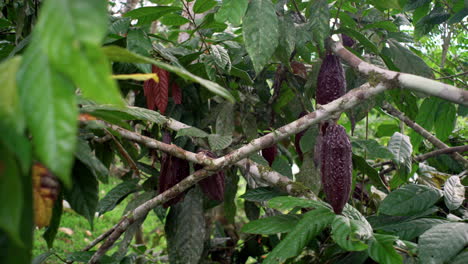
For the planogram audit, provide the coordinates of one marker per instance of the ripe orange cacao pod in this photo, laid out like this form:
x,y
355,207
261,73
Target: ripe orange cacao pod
x,y
336,166
46,188
212,186
331,81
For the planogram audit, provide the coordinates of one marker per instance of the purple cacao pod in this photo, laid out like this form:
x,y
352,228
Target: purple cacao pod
x,y
270,153
347,40
331,81
336,166
173,170
212,186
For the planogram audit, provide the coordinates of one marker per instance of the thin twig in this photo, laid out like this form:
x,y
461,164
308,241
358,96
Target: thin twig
x,y
451,76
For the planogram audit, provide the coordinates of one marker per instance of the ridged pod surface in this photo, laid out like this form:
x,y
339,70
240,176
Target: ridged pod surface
x,y
331,81
336,166
213,186
173,170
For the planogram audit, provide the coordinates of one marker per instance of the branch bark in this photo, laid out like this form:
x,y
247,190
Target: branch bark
x,y
423,132
404,80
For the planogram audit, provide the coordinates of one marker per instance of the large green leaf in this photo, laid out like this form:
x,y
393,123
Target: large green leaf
x,y
271,225
425,118
409,230
287,41
261,194
406,60
360,164
71,33
401,148
454,193
445,118
260,32
311,224
218,142
460,258
442,242
122,55
409,199
11,193
86,155
51,231
148,14
381,250
319,17
282,166
232,11
202,6
425,25
225,120
83,195
116,195
185,229
344,233
372,148
49,104
287,202
363,40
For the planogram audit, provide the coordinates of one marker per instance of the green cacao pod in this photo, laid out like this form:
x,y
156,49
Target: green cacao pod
x,y
212,186
336,166
331,81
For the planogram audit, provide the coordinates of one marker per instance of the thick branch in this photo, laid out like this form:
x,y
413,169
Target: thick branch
x,y
405,80
459,149
423,132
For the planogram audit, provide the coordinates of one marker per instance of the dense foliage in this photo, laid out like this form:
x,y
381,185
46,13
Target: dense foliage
x,y
178,98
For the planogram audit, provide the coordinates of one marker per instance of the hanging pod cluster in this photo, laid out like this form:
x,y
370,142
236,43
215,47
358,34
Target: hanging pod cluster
x,y
334,148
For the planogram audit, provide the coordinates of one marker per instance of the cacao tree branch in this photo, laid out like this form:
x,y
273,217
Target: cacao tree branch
x,y
341,104
459,149
423,132
404,80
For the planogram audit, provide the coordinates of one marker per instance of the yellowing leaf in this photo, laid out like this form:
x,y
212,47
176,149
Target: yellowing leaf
x,y
45,191
137,77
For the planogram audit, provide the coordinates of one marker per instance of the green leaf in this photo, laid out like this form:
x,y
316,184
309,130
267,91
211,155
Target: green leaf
x,y
243,75
381,250
42,257
260,32
174,20
11,190
249,126
219,142
425,118
74,49
282,166
232,11
201,6
286,202
272,225
445,120
360,164
442,242
413,4
387,25
86,155
287,41
309,174
185,229
344,233
409,230
401,148
261,194
148,14
460,258
373,149
49,105
319,18
459,16
311,224
454,193
51,231
113,114
409,199
308,140
225,120
192,132
83,196
122,55
117,195
406,60
363,40
425,25
221,57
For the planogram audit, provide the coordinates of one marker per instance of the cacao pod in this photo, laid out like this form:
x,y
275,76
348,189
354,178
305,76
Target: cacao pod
x,y
270,153
331,81
46,188
347,40
336,166
173,170
212,186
